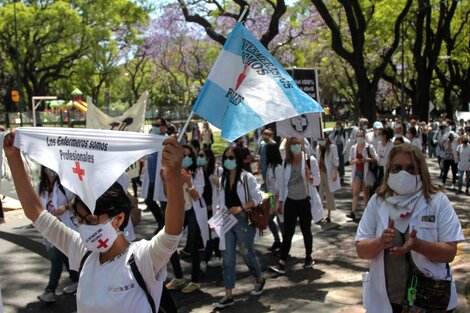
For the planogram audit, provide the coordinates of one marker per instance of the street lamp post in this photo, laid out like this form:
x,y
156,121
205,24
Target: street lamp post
x,y
17,64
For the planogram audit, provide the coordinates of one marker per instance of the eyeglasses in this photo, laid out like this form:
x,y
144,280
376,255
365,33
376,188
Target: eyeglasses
x,y
230,157
410,168
89,219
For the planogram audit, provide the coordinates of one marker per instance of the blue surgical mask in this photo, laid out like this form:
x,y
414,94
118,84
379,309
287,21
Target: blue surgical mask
x,y
360,140
295,149
201,161
187,162
156,130
321,143
338,129
230,164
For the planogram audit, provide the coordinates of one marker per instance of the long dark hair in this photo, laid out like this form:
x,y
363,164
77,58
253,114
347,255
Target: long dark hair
x,y
273,155
210,165
339,132
326,146
237,152
193,166
45,186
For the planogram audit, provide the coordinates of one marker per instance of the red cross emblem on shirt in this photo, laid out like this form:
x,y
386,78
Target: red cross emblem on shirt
x,y
79,171
103,243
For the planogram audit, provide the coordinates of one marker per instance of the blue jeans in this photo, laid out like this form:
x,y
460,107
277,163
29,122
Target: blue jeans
x,y
467,180
244,235
340,148
58,260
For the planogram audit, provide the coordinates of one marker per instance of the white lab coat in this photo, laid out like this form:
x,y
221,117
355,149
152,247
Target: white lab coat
x,y
446,228
368,178
316,205
199,206
331,161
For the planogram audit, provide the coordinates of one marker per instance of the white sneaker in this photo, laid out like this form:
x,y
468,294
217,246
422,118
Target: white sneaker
x,y
203,266
70,288
48,296
214,262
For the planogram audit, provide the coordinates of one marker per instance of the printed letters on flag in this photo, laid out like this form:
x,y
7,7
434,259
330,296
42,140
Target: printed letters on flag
x,y
305,125
88,161
131,120
247,88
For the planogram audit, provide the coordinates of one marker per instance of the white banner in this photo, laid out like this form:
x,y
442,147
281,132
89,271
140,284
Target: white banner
x,y
88,161
131,120
305,125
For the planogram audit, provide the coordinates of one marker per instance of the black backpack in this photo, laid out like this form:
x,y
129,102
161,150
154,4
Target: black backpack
x,y
167,305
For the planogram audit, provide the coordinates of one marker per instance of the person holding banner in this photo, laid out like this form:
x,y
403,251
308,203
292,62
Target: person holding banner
x,y
107,283
239,194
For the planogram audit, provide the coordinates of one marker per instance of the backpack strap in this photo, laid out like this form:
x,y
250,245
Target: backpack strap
x,y
141,282
82,262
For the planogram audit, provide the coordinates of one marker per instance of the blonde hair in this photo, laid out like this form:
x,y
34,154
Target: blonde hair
x,y
418,159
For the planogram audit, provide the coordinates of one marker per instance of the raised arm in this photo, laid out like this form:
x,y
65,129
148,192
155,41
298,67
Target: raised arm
x,y
172,156
27,195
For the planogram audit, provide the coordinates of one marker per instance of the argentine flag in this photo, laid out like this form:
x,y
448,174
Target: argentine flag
x,y
248,88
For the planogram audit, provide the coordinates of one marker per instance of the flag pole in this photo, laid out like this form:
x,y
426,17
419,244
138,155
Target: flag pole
x,y
183,130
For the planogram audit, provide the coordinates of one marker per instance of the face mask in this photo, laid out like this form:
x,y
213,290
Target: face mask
x,y
98,237
404,183
201,161
230,164
360,140
321,143
398,136
156,130
50,172
187,162
364,128
338,129
295,149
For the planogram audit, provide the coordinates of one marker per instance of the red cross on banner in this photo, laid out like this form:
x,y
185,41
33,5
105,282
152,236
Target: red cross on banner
x,y
79,171
103,243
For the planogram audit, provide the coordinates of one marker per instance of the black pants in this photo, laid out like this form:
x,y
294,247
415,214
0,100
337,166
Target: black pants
x,y
397,308
294,209
193,244
212,245
452,165
153,207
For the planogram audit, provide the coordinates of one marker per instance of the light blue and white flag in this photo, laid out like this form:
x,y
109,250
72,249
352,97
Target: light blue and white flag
x,y
248,88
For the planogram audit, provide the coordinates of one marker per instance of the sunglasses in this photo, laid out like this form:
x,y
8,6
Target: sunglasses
x,y
410,168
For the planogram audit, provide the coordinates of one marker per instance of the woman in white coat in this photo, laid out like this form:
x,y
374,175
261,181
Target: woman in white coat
x,y
410,232
195,218
360,156
274,174
295,198
328,161
239,193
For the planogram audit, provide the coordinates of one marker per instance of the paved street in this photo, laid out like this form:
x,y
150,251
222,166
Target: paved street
x,y
333,285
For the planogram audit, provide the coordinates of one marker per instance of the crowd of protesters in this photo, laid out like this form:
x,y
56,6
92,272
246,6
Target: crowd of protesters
x,y
301,175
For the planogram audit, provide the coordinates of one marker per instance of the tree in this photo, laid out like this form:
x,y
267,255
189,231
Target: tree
x,y
353,41
54,35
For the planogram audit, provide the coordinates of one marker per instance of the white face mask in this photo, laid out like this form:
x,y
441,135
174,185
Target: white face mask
x,y
99,237
404,183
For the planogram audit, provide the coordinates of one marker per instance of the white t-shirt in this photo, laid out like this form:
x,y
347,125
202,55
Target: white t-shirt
x,y
464,157
111,286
